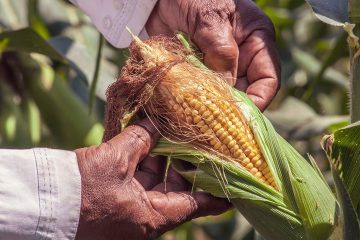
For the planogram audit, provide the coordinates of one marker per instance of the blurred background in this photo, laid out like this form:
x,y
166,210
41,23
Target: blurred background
x,y
55,68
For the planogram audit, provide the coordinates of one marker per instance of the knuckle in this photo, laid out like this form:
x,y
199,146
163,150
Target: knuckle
x,y
139,137
230,53
211,13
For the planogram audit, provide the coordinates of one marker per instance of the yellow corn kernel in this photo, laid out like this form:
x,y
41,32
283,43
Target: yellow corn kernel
x,y
258,163
204,128
200,124
250,166
179,100
245,161
210,119
202,109
225,131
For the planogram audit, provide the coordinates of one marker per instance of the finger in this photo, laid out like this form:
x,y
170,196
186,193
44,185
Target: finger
x,y
151,171
216,41
261,67
179,207
172,183
135,143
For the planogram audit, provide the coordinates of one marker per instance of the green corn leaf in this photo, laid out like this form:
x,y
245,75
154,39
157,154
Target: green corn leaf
x,y
343,150
348,228
29,41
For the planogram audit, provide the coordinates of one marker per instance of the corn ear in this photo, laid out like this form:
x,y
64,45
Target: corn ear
x,y
304,207
292,202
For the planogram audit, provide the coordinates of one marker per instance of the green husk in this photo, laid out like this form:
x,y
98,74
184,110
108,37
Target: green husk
x,y
303,208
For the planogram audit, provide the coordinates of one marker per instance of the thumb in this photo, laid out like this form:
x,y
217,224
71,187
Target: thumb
x,y
220,49
135,142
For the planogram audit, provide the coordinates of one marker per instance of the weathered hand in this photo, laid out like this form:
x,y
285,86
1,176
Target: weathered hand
x,y
122,199
236,37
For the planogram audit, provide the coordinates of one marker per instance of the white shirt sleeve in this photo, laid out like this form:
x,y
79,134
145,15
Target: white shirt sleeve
x,y
40,194
112,16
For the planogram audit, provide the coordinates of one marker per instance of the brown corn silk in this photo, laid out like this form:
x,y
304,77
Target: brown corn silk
x,y
188,104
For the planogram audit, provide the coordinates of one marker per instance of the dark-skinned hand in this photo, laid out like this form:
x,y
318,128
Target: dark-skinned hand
x,y
235,36
123,193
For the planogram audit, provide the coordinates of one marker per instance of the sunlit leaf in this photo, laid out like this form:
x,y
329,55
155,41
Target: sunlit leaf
x,y
280,17
34,122
313,66
27,40
35,20
333,55
3,44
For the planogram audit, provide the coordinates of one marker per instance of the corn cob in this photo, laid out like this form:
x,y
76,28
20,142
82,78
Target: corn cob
x,y
221,125
205,107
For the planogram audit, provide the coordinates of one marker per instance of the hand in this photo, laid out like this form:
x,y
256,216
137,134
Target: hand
x,y
236,38
121,202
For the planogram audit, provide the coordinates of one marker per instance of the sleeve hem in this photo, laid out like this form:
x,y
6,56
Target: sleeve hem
x,y
47,193
68,175
59,193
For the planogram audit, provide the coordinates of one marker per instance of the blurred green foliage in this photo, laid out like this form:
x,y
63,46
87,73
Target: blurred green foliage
x,y
50,55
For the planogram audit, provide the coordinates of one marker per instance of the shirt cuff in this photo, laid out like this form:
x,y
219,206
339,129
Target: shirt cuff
x,y
40,194
111,17
63,169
